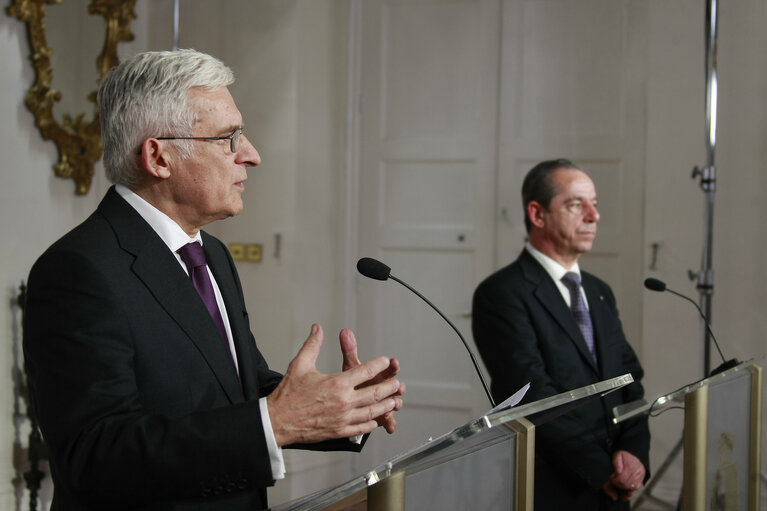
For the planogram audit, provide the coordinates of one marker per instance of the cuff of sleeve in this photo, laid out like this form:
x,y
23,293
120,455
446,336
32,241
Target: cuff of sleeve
x,y
275,451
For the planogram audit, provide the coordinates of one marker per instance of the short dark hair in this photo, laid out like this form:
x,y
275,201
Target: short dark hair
x,y
538,185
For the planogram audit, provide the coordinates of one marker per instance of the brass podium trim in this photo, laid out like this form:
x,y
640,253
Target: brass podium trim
x,y
388,494
525,466
695,438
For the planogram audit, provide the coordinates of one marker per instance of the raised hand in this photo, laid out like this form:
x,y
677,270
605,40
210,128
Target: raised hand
x,y
350,360
308,406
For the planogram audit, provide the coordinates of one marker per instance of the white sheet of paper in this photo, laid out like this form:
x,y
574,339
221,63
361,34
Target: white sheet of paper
x,y
512,400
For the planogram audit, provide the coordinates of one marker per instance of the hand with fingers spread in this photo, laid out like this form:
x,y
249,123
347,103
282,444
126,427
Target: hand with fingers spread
x,y
351,360
627,478
308,406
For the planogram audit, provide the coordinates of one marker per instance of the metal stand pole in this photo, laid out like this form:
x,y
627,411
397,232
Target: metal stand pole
x,y
646,493
176,12
707,175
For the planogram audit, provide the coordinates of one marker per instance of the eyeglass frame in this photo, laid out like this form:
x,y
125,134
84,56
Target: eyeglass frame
x,y
233,138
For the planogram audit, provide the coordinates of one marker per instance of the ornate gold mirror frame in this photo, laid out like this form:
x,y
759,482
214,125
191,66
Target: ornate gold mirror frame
x,y
78,141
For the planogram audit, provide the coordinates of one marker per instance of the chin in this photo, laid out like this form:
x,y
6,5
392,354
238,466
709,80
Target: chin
x,y
236,207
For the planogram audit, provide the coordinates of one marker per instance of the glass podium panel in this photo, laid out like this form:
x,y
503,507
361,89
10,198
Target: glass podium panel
x,y
477,460
722,436
482,479
676,398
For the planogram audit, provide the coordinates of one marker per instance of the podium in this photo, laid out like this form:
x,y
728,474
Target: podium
x,y
722,437
487,464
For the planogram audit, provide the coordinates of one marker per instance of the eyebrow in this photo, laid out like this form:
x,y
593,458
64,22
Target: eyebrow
x,y
228,130
580,198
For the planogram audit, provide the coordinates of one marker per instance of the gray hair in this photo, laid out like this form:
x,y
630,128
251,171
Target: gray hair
x,y
144,97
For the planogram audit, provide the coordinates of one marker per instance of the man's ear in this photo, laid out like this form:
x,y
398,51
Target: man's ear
x,y
535,213
155,159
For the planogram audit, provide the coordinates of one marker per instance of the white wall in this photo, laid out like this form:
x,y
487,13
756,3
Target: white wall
x,y
290,60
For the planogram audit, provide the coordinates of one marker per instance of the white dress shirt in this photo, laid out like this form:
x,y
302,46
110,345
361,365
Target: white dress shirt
x,y
175,238
556,271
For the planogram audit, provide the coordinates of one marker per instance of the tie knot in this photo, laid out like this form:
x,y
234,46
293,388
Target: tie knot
x,y
572,280
192,255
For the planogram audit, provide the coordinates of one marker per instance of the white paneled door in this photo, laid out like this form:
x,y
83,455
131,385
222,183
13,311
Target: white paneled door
x,y
454,101
573,78
428,114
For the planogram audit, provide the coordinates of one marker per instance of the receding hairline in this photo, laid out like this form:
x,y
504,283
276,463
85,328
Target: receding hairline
x,y
567,168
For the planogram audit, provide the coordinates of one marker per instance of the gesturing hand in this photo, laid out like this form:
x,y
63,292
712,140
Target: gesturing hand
x,y
350,360
308,406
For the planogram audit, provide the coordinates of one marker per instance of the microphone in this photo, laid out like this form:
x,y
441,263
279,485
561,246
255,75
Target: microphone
x,y
374,269
660,286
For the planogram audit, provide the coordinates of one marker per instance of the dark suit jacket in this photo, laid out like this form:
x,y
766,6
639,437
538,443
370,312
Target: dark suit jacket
x,y
526,333
136,393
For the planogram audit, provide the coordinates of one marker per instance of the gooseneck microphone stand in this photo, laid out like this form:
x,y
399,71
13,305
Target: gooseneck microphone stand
x,y
705,277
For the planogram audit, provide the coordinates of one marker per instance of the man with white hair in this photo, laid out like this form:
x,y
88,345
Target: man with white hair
x,y
149,388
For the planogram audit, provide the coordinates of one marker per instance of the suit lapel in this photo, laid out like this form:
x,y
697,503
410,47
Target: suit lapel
x,y
547,293
161,273
600,319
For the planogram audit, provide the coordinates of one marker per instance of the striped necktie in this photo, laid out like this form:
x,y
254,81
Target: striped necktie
x,y
579,310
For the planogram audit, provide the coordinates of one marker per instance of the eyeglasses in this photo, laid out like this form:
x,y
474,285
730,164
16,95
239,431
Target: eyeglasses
x,y
233,138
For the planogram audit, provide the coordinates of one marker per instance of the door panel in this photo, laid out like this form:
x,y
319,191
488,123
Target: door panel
x,y
572,87
427,157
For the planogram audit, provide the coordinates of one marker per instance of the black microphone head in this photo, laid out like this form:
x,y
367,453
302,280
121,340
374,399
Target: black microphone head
x,y
654,284
373,269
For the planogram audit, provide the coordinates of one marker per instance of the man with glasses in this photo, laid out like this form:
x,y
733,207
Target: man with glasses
x,y
149,388
544,321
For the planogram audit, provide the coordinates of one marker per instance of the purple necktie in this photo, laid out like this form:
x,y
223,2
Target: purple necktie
x,y
194,258
578,307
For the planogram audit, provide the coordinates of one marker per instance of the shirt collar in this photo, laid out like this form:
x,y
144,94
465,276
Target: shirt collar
x,y
555,270
169,231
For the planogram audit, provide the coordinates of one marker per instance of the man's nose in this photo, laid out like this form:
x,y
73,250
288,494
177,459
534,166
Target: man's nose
x,y
247,153
591,213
